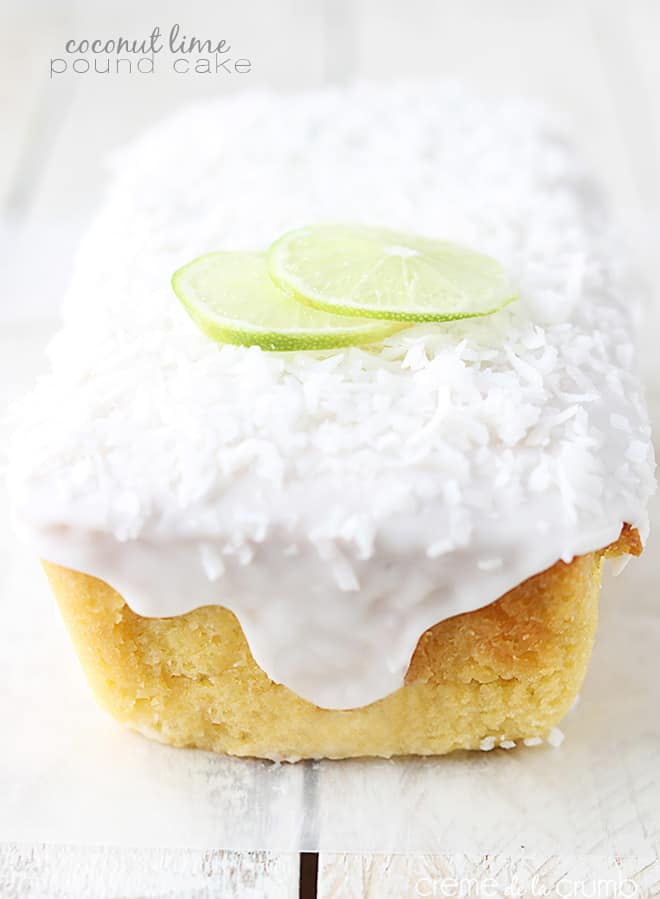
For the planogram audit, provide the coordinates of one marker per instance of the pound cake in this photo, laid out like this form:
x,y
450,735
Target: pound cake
x,y
378,549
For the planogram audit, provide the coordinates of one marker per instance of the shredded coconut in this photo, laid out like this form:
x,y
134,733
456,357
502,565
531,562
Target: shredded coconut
x,y
555,737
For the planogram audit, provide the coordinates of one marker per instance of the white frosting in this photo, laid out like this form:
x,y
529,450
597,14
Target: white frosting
x,y
341,502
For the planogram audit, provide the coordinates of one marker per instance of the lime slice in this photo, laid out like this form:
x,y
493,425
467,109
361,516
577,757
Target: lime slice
x,y
233,299
377,273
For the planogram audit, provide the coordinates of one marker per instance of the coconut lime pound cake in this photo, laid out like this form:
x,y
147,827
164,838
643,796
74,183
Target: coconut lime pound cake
x,y
267,542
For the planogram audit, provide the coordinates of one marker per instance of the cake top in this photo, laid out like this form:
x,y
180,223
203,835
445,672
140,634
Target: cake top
x,y
501,444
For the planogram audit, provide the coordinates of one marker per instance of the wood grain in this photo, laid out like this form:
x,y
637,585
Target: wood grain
x,y
344,876
69,872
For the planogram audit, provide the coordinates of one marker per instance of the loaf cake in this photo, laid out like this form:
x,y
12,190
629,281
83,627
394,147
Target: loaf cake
x,y
381,549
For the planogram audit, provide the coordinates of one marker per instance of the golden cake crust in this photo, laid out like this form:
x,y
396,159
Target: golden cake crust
x,y
508,671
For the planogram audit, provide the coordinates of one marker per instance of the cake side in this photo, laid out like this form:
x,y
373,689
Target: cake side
x,y
508,671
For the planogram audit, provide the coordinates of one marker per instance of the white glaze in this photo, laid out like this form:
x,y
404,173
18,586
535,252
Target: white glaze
x,y
340,502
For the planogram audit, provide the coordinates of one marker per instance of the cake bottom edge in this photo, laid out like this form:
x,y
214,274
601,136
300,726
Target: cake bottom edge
x,y
504,673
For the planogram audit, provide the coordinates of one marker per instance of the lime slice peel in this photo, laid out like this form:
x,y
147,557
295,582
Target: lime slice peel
x,y
329,286
387,275
231,297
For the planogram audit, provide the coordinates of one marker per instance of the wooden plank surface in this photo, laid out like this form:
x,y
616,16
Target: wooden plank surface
x,y
69,872
343,876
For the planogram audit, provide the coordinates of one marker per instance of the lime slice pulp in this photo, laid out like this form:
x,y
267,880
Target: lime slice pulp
x,y
383,274
233,299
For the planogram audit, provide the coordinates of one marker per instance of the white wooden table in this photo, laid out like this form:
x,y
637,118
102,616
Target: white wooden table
x,y
597,64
